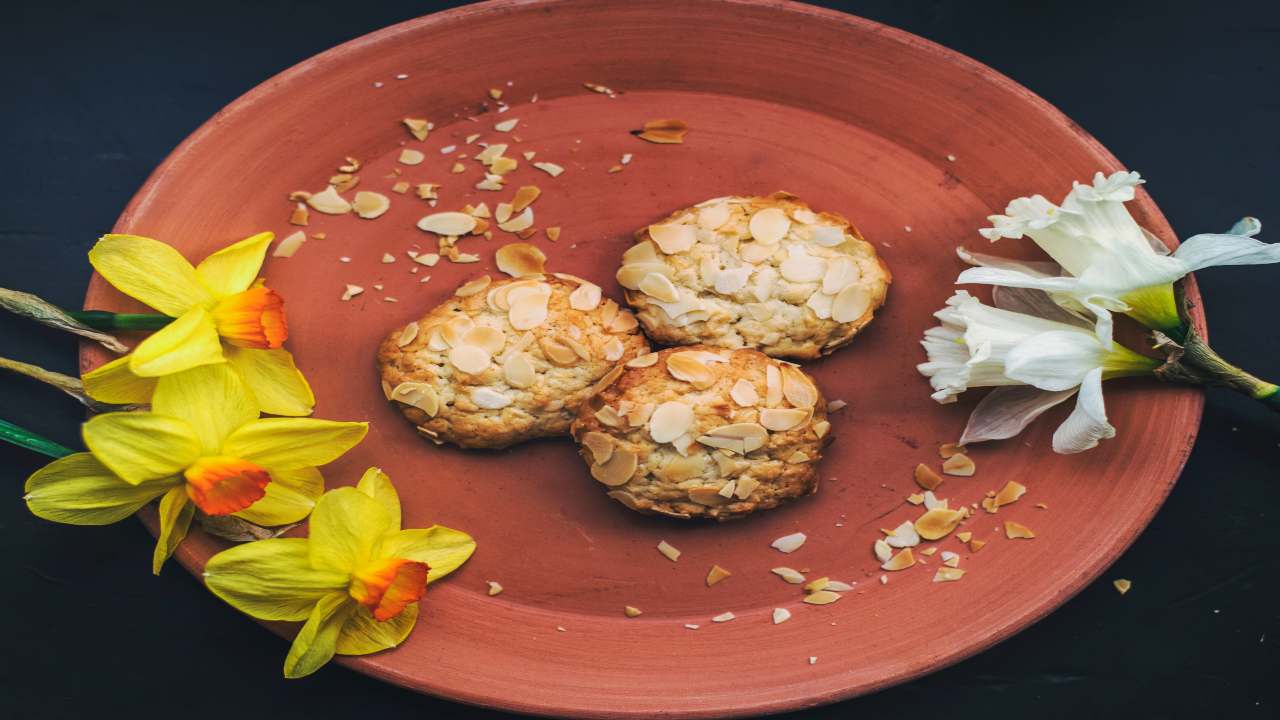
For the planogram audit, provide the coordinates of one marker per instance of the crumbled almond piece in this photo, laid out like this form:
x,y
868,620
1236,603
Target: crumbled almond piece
x,y
915,498
947,450
299,196
789,543
400,188
948,574
370,205
495,587
669,551
507,125
351,291
825,597
495,93
553,233
300,215
975,545
288,246
344,181
1042,506
631,611
926,477
520,260
903,560
1122,586
950,559
1014,530
781,615
549,168
525,195
663,132
929,551
716,574
788,574
903,536
329,202
959,464
615,169
458,168
938,523
964,537
409,156
388,258
723,617
418,127
1009,493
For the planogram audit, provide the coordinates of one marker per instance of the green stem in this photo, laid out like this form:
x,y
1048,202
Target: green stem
x,y
25,438
103,320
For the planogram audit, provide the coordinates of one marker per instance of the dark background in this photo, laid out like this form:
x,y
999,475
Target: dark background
x,y
96,94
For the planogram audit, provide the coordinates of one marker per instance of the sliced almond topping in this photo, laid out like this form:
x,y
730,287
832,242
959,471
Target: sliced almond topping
x,y
851,304
903,560
629,276
528,309
745,487
744,394
623,322
609,378
712,217
579,348
472,286
1009,493
608,416
520,260
643,361
788,575
768,226
558,351
959,464
1014,530
709,496
518,371
826,597
673,238
741,438
453,330
613,349
772,385
419,395
418,127
789,543
927,478
938,523
904,535
586,297
688,366
801,267
525,195
448,224
618,470
329,202
407,335
669,421
470,359
288,246
409,156
664,132
489,399
600,445
841,273
797,388
491,339
948,574
781,615
658,286
783,419
1122,586
668,550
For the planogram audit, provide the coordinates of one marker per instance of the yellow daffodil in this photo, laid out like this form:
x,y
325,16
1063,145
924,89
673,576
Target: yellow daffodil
x,y
201,446
222,315
356,580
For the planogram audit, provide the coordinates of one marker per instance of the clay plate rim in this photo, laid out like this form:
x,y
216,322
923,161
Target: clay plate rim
x,y
191,555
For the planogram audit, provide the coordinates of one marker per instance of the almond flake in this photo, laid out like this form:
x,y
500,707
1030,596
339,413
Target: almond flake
x,y
741,438
927,478
783,419
663,132
419,395
744,394
470,359
418,127
772,386
723,617
797,388
673,238
428,259
495,588
688,366
669,550
370,205
489,399
388,258
458,168
826,597
618,471
950,559
549,168
929,551
964,537
901,561
299,216
631,611
641,361
427,191
905,535
344,182
915,498
959,464
472,286
816,585
946,450
659,287
781,615
1013,530
669,421
716,574
975,544
409,156
289,245
407,335
883,551
1122,586
948,574
768,226
447,224
520,259
586,297
788,575
352,291
329,202
1009,493
507,125
838,586
789,543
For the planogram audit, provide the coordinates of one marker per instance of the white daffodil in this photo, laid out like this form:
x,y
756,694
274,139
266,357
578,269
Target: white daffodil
x,y
1108,263
1034,361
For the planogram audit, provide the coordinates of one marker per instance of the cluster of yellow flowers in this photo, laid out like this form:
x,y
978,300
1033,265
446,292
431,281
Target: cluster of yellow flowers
x,y
204,448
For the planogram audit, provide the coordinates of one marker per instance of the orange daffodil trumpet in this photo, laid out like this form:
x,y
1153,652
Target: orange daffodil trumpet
x,y
202,446
356,581
223,315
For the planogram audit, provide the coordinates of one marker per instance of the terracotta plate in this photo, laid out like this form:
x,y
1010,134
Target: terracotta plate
x,y
913,142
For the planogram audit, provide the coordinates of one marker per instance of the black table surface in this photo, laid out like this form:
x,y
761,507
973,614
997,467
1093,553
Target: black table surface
x,y
1189,94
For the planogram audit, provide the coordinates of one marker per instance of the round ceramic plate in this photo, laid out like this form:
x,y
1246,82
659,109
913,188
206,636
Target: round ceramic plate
x,y
913,142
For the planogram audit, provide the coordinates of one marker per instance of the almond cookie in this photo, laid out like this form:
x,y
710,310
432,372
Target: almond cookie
x,y
704,432
504,361
758,272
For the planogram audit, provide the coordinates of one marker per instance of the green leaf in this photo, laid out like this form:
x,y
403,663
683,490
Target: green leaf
x,y
317,641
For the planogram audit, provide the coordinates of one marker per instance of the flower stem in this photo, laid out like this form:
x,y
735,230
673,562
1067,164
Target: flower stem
x,y
46,313
25,438
103,320
70,385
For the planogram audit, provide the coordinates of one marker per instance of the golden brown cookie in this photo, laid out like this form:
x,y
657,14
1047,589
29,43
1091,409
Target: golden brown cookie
x,y
704,432
505,361
758,272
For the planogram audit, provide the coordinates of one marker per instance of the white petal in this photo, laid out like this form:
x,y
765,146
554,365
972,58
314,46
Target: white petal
x,y
1035,302
1247,226
1005,411
1041,268
1057,360
1202,251
1018,278
1087,424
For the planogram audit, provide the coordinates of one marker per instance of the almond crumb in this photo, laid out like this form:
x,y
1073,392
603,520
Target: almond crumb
x,y
1122,585
1014,530
716,574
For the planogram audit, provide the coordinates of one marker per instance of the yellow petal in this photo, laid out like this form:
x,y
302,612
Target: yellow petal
x,y
276,382
116,383
377,485
150,271
187,342
271,579
211,398
345,529
318,639
141,446
287,443
291,496
79,490
363,634
233,268
442,549
176,512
